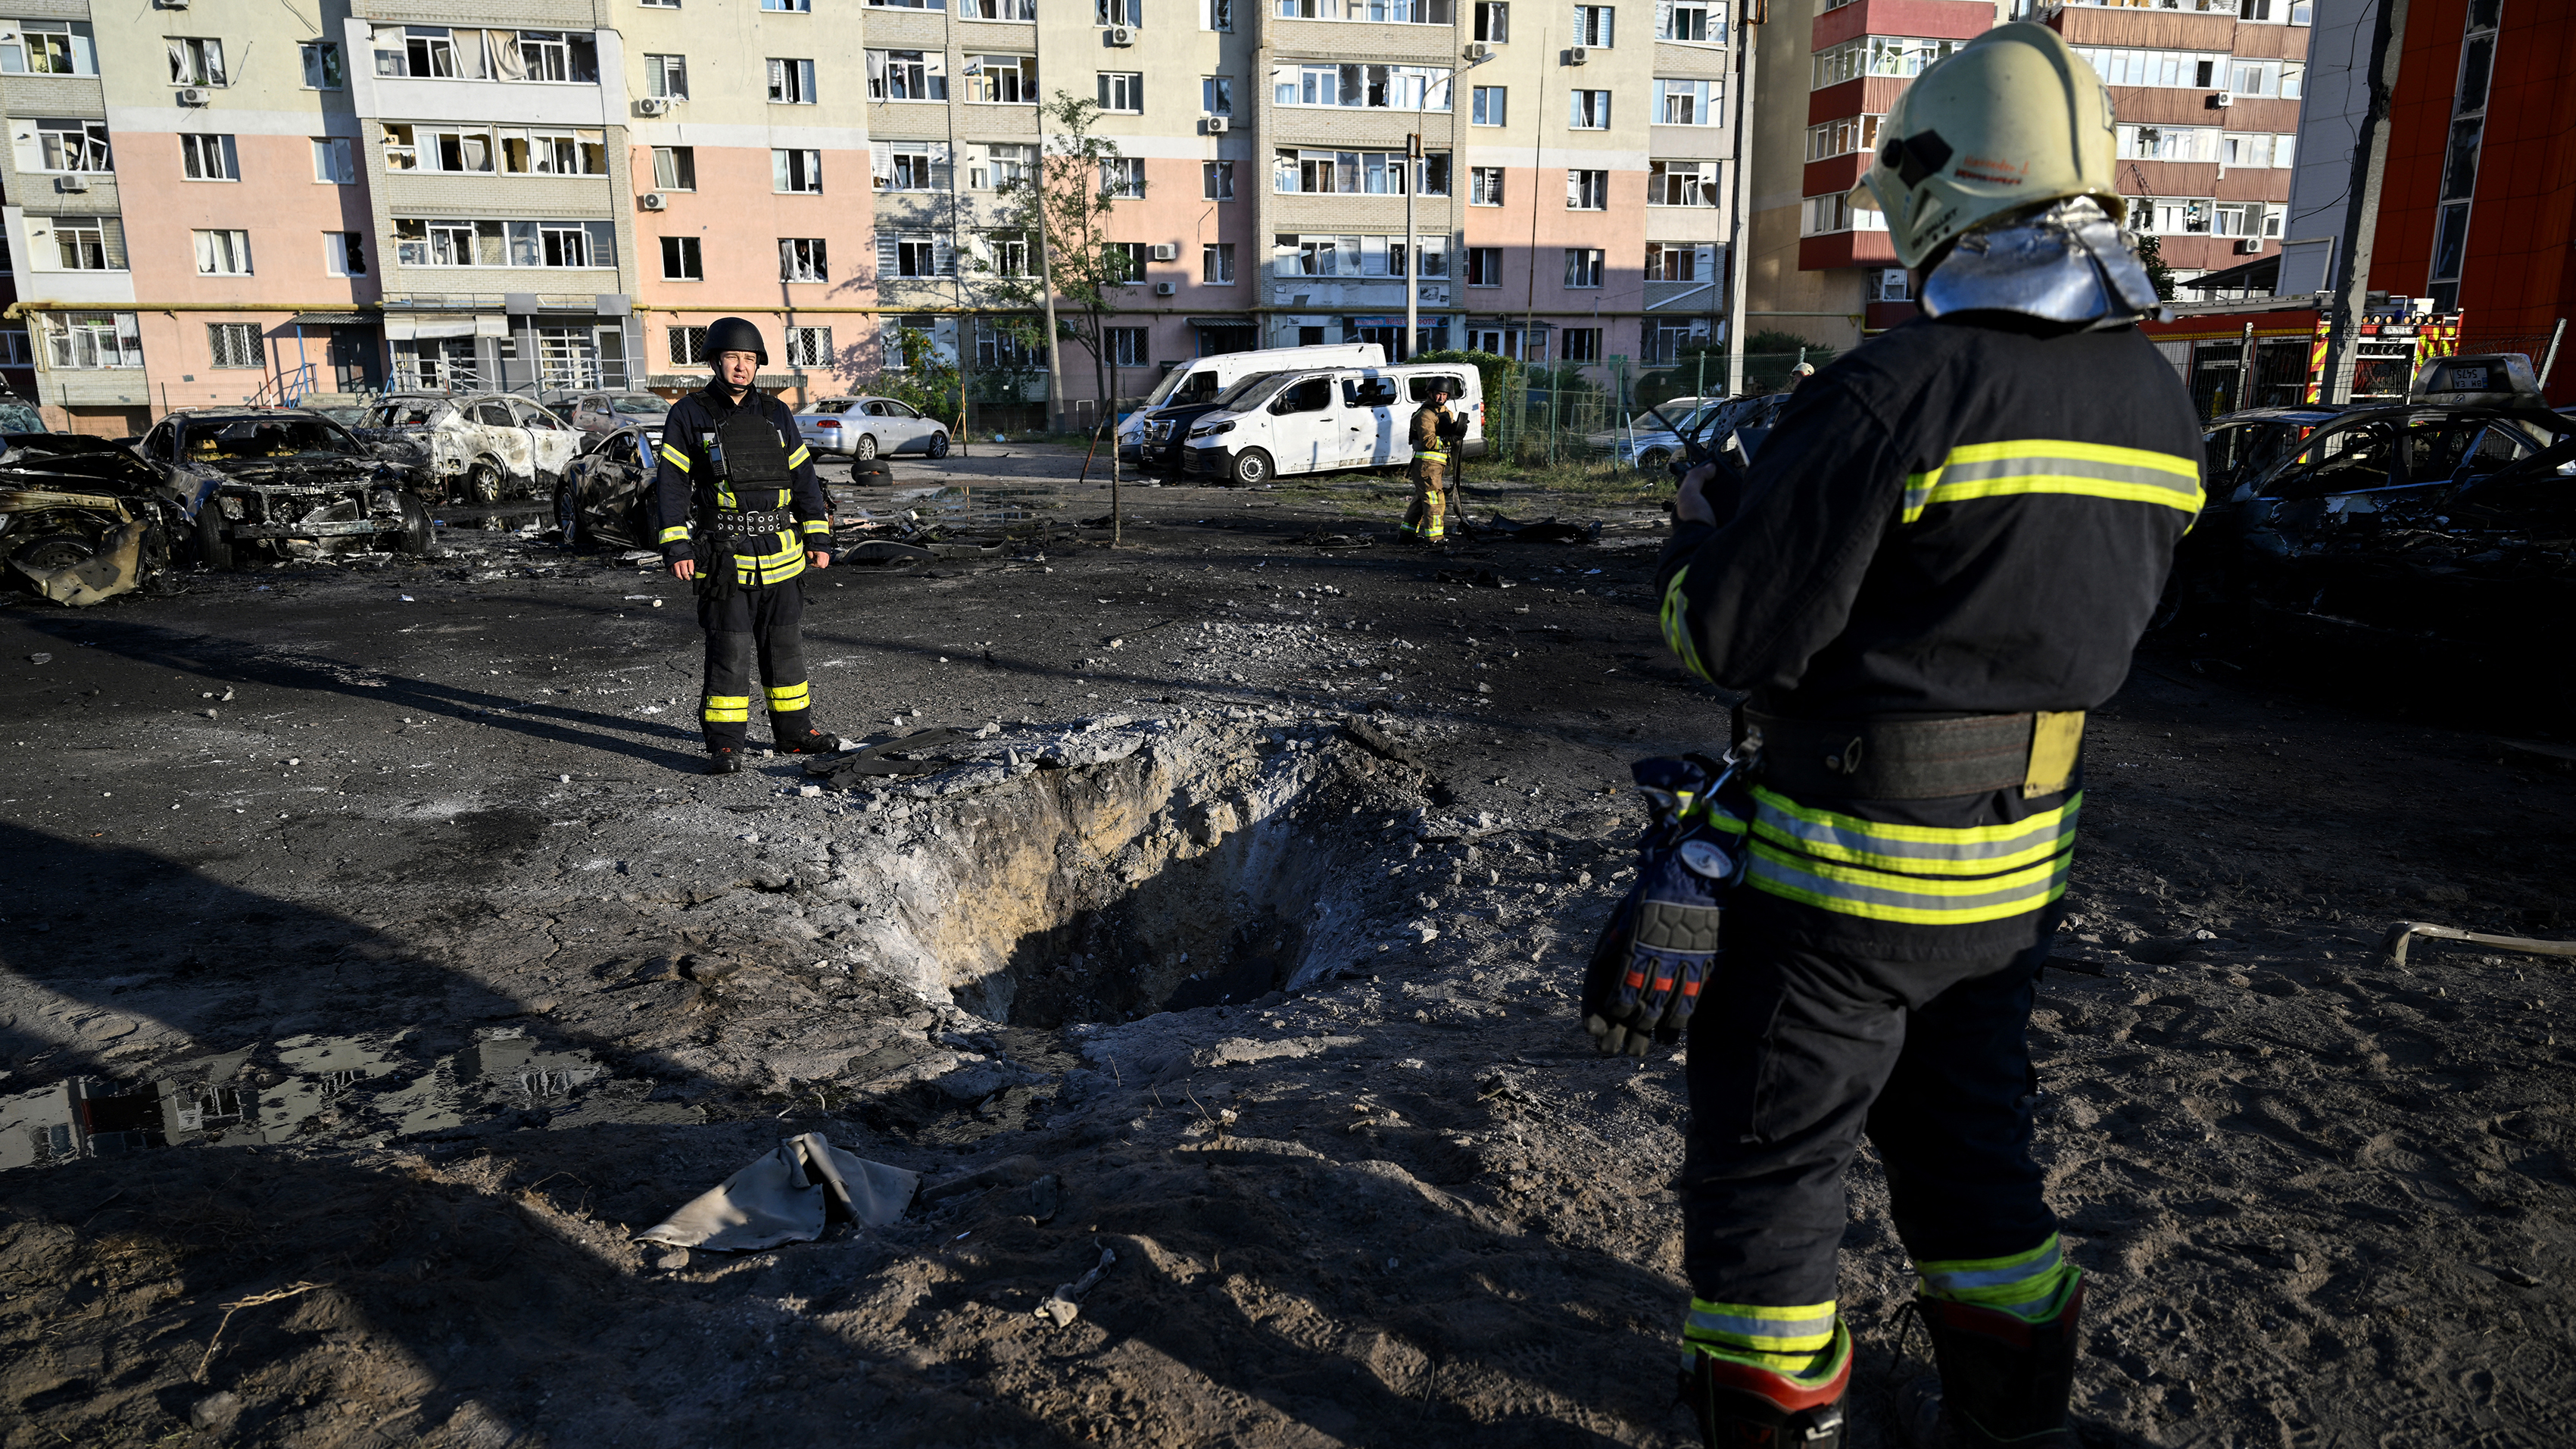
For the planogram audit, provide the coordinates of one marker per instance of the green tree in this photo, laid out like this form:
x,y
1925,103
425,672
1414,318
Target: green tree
x,y
1065,203
925,379
2151,255
1772,355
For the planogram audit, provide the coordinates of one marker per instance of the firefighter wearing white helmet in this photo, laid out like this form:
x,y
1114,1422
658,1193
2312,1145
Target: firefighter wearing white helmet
x,y
1942,556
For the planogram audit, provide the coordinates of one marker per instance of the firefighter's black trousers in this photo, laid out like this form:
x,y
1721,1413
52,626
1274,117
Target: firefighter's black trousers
x,y
1794,1054
762,619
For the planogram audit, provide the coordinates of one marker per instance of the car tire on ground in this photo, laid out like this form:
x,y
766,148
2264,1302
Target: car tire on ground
x,y
865,448
1252,468
871,473
938,445
1655,460
568,517
50,551
414,536
483,483
214,540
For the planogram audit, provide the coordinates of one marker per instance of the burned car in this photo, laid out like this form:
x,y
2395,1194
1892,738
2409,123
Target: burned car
x,y
473,447
84,519
606,497
282,482
2433,537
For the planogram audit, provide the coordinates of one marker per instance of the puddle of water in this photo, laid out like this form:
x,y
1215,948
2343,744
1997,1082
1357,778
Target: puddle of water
x,y
346,1089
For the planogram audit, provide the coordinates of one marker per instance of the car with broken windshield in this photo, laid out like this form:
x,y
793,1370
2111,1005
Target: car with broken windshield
x,y
606,496
281,483
474,447
2436,533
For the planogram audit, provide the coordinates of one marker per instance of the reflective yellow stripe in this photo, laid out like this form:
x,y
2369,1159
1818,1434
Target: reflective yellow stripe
x,y
1914,849
675,457
1803,1329
1910,899
800,457
725,498
2090,470
2027,1285
675,533
816,525
791,697
1429,456
1677,634
725,708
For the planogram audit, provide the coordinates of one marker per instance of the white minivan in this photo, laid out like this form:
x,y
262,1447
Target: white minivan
x,y
1321,420
1196,383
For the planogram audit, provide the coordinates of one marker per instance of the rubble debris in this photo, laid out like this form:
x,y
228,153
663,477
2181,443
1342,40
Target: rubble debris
x,y
1064,1305
889,759
2401,935
1544,530
1476,579
883,552
1326,538
787,1197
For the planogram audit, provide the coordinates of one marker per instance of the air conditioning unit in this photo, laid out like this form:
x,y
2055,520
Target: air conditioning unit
x,y
2222,100
71,183
1577,55
196,96
653,106
1167,251
1165,289
653,201
2249,246
1479,50
1121,35
1219,125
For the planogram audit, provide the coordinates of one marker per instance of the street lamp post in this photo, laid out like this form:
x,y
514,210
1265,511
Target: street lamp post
x,y
1412,243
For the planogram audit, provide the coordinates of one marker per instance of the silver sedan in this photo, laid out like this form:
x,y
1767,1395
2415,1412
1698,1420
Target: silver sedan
x,y
864,427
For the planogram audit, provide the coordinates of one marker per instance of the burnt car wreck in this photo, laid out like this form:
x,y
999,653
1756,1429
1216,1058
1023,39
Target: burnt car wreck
x,y
85,519
285,483
2435,539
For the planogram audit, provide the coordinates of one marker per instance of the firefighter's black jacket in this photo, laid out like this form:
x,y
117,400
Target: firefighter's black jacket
x,y
1966,516
686,488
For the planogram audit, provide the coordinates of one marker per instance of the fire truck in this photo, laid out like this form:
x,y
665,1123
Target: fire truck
x,y
2271,351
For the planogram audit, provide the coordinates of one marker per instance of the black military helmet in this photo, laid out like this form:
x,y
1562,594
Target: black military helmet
x,y
732,334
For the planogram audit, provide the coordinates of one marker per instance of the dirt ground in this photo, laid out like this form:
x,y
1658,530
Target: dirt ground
x,y
412,858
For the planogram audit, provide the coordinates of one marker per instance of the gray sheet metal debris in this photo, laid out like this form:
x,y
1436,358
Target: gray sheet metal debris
x,y
117,568
2404,932
890,759
1064,1305
787,1197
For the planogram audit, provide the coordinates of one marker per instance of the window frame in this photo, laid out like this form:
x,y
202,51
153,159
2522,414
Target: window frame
x,y
809,254
1115,84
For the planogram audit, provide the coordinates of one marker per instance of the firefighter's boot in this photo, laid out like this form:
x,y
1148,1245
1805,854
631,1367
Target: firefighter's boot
x,y
2004,1381
1740,1405
801,738
724,760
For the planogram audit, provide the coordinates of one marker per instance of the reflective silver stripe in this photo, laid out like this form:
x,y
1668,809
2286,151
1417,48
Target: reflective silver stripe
x,y
1970,850
1735,1326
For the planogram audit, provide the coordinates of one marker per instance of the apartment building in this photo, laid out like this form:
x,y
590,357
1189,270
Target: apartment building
x,y
205,205
2206,94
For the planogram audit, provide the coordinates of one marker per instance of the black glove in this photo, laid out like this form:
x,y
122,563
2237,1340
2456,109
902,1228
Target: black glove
x,y
1661,945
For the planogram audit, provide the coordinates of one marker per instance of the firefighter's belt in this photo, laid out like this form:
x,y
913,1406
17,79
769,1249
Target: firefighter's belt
x,y
742,526
1914,759
751,451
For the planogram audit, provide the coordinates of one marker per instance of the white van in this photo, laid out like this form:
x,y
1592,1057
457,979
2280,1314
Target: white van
x,y
1321,420
1199,382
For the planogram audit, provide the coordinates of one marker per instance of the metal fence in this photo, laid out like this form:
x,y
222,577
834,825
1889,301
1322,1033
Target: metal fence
x,y
1602,416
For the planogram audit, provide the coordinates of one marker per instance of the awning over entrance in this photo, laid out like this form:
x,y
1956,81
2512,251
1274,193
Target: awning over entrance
x,y
450,324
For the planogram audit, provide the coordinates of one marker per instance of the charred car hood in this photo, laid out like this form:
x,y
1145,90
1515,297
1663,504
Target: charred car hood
x,y
74,464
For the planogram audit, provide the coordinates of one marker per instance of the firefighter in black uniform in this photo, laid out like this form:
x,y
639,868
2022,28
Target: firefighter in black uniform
x,y
742,516
1944,555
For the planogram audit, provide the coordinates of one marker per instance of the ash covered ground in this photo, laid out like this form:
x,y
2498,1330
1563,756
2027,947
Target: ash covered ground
x,y
1234,925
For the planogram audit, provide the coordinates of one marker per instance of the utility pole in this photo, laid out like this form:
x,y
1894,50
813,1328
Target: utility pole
x,y
2361,224
1737,195
1412,243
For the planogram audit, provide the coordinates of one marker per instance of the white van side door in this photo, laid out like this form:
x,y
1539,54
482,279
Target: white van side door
x,y
1373,435
1306,426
